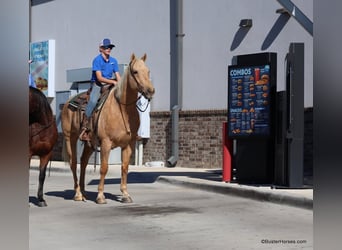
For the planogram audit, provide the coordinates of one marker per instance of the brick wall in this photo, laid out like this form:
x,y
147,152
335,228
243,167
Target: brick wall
x,y
200,138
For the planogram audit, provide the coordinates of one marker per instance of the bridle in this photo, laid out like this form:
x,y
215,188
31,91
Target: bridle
x,y
133,74
130,66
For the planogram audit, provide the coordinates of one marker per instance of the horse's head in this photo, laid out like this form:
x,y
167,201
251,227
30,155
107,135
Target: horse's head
x,y
141,75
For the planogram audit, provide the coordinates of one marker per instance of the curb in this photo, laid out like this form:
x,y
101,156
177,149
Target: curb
x,y
246,192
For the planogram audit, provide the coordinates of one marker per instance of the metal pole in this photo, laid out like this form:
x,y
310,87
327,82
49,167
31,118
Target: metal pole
x,y
141,153
176,35
172,161
295,130
176,84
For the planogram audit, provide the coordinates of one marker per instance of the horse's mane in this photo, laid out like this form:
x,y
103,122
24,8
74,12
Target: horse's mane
x,y
119,86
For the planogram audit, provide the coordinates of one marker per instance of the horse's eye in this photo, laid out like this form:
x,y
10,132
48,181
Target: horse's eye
x,y
135,72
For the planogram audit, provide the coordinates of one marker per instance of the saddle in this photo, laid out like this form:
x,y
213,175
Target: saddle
x,y
79,102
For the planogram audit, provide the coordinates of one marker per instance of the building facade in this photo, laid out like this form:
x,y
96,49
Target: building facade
x,y
211,38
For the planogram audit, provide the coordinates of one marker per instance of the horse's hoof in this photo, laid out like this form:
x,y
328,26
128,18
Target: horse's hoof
x,y
101,201
78,198
42,204
126,199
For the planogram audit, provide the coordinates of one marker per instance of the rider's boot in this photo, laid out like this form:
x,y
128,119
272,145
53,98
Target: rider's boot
x,y
84,135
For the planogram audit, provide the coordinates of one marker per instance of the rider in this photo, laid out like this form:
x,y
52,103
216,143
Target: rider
x,y
105,71
30,78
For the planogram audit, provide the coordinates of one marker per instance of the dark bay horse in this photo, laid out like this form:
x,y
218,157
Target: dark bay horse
x,y
43,135
115,125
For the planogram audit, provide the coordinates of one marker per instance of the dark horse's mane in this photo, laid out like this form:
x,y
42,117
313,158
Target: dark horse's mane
x,y
39,107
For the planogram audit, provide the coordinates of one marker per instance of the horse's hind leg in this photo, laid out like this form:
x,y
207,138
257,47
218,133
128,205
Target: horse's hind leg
x,y
73,166
71,148
87,151
44,160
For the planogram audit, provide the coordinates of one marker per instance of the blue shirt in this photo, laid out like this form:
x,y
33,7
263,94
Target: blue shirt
x,y
31,81
107,68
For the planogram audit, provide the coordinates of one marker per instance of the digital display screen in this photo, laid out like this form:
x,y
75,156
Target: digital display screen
x,y
248,101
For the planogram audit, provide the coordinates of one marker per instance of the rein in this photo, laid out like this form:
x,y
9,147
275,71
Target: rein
x,y
128,104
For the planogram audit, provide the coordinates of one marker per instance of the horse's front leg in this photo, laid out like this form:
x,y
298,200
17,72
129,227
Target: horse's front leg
x,y
126,156
104,155
44,160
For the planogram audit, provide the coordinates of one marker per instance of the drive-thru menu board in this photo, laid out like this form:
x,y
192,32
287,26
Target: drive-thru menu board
x,y
248,101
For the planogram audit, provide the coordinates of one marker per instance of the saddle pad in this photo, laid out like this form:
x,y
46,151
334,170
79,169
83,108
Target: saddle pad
x,y
79,101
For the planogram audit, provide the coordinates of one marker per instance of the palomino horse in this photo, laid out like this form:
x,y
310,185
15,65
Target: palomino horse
x,y
115,125
43,135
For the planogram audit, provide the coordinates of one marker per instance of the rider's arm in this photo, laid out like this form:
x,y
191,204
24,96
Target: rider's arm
x,y
117,76
100,78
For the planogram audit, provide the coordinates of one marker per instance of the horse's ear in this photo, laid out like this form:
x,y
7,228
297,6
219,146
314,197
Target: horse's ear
x,y
144,57
132,57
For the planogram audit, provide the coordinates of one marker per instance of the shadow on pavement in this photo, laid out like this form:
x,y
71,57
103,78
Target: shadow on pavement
x,y
133,177
150,177
69,195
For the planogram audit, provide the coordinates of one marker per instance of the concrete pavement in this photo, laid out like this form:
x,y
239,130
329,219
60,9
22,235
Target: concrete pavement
x,y
205,179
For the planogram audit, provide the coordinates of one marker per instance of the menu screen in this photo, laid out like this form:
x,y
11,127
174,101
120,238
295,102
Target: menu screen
x,y
248,101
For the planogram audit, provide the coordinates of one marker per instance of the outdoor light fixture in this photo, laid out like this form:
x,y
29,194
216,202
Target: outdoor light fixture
x,y
282,11
246,23
293,11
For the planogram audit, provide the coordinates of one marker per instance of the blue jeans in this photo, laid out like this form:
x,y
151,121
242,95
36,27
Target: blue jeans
x,y
93,98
